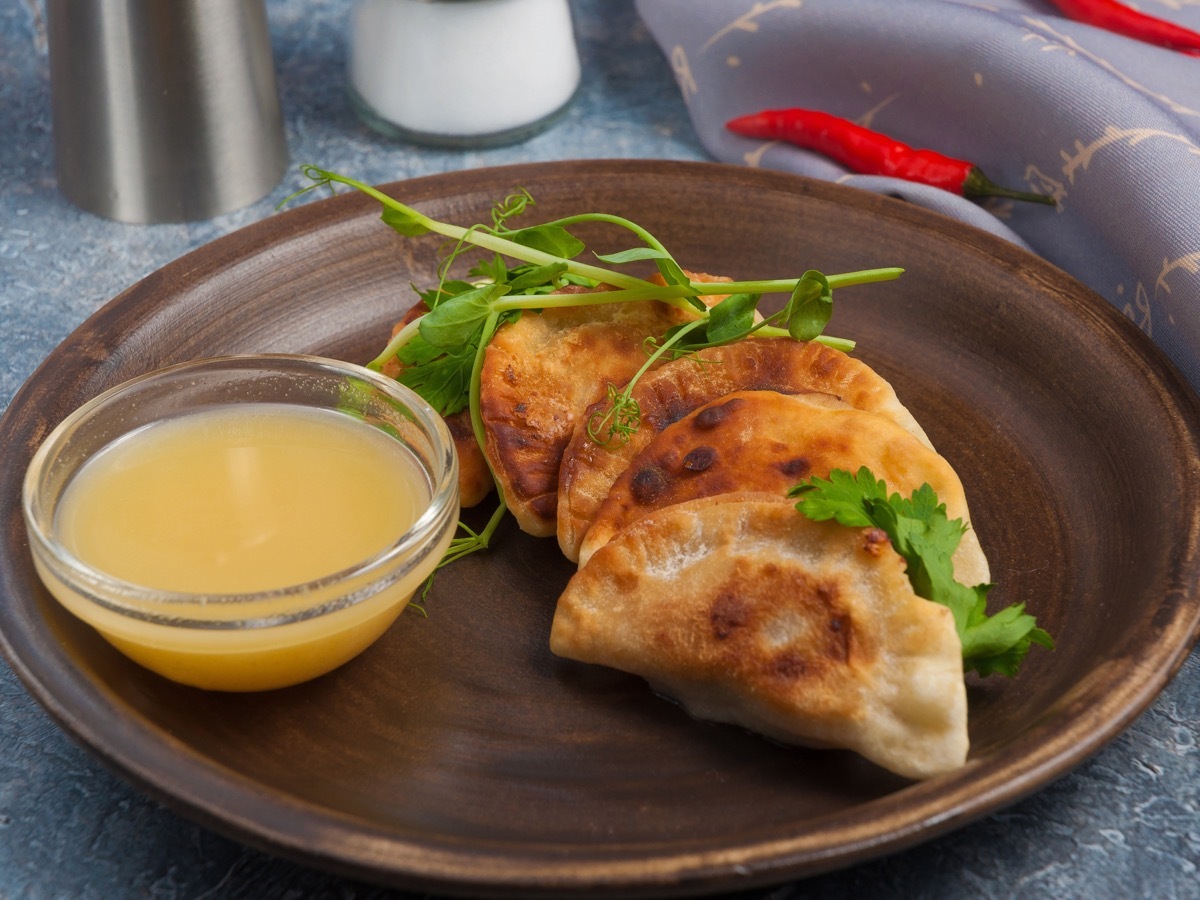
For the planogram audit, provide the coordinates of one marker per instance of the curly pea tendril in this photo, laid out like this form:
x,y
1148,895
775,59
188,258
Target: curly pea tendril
x,y
529,268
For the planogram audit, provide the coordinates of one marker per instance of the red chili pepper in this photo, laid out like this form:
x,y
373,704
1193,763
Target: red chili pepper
x,y
871,153
1121,19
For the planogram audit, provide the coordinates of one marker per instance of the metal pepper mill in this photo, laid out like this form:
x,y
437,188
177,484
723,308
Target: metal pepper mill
x,y
164,110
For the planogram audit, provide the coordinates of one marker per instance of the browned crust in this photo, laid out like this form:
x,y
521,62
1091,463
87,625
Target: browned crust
x,y
540,374
564,366
543,372
747,612
766,441
677,388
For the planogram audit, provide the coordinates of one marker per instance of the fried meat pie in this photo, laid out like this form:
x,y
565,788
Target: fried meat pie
x,y
675,389
766,441
750,614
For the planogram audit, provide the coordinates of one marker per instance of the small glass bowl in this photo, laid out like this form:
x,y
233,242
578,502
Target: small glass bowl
x,y
270,638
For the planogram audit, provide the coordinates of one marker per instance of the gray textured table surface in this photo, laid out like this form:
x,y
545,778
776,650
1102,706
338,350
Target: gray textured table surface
x,y
1126,823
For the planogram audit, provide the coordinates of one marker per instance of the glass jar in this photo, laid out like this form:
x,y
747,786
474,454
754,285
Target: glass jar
x,y
462,73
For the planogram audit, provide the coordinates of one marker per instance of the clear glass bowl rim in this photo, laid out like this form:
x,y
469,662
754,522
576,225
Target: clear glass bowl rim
x,y
376,572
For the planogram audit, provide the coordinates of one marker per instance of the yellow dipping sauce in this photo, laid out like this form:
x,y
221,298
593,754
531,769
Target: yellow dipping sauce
x,y
244,499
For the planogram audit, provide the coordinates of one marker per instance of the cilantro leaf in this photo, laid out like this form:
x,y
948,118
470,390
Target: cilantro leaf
x,y
998,643
926,538
842,497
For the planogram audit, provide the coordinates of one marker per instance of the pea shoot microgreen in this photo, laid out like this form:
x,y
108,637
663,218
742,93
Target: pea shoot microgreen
x,y
531,268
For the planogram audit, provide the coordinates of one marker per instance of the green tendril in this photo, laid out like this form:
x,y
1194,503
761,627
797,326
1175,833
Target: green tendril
x,y
617,421
531,268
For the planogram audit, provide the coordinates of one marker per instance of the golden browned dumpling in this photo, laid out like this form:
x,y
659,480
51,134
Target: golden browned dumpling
x,y
767,441
746,612
565,358
675,389
474,477
539,375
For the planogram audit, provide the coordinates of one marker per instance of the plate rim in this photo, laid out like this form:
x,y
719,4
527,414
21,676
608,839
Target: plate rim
x,y
738,866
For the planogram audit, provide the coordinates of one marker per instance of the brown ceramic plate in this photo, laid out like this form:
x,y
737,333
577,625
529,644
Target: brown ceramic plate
x,y
458,754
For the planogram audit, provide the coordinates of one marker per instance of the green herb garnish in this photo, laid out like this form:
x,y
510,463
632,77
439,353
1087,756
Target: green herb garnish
x,y
528,268
926,538
442,350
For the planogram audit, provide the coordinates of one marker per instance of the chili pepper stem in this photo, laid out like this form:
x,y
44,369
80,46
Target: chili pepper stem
x,y
979,185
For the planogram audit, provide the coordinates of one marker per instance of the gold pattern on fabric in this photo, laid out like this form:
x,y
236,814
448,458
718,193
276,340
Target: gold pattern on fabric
x,y
1139,311
749,21
1177,5
1189,263
1140,308
1112,135
867,118
1054,40
754,157
683,73
1042,183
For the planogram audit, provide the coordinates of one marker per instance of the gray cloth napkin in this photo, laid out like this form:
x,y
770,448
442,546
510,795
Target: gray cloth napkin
x,y
1109,125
